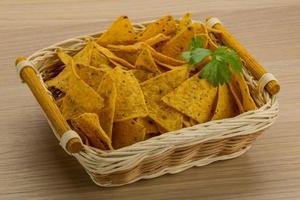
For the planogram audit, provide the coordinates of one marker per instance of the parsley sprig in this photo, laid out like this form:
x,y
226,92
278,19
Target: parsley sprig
x,y
218,70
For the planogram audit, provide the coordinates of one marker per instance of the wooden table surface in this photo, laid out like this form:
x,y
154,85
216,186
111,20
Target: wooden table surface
x,y
33,166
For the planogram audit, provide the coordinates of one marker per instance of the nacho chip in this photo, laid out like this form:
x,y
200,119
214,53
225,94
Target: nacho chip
x,y
142,75
130,102
90,75
163,58
149,124
112,57
157,39
226,106
79,97
99,60
120,32
154,89
165,25
84,55
199,28
145,62
179,43
107,90
185,21
128,56
88,124
194,98
126,133
241,93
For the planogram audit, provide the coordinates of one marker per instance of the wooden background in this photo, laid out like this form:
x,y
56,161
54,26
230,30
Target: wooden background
x,y
33,166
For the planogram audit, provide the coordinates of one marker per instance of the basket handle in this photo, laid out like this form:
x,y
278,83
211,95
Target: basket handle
x,y
251,64
29,75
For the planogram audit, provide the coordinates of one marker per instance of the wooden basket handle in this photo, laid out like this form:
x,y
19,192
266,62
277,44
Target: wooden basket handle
x,y
29,76
250,63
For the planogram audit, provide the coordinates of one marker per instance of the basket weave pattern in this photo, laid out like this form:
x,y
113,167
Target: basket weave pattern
x,y
171,152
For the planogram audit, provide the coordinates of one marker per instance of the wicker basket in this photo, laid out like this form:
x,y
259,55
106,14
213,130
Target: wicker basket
x,y
171,152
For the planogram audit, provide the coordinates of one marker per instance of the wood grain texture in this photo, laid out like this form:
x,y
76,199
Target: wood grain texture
x,y
33,166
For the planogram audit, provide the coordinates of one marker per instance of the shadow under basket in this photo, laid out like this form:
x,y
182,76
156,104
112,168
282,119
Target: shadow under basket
x,y
171,152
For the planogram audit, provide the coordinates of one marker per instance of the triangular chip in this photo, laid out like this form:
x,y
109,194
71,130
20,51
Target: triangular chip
x,y
107,90
88,125
126,133
157,39
84,56
120,32
185,21
142,75
226,106
241,93
90,75
130,101
79,97
149,124
199,28
112,57
163,58
154,89
145,61
194,98
179,43
165,25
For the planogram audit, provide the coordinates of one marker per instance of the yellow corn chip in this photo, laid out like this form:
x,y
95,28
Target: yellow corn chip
x,y
194,98
126,133
88,124
185,21
145,62
120,32
199,28
112,57
179,43
154,89
79,97
84,56
165,25
130,102
226,106
90,75
99,60
186,121
157,39
107,90
142,75
149,124
241,93
163,58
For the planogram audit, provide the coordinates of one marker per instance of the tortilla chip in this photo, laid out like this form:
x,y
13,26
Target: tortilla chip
x,y
112,57
128,56
145,62
90,75
130,102
241,93
88,125
84,55
79,97
185,21
179,43
126,133
157,39
163,58
120,32
199,28
107,90
226,106
99,60
186,121
154,89
165,25
149,124
142,75
194,98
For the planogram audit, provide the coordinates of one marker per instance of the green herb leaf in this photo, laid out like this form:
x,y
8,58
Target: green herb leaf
x,y
196,42
217,71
